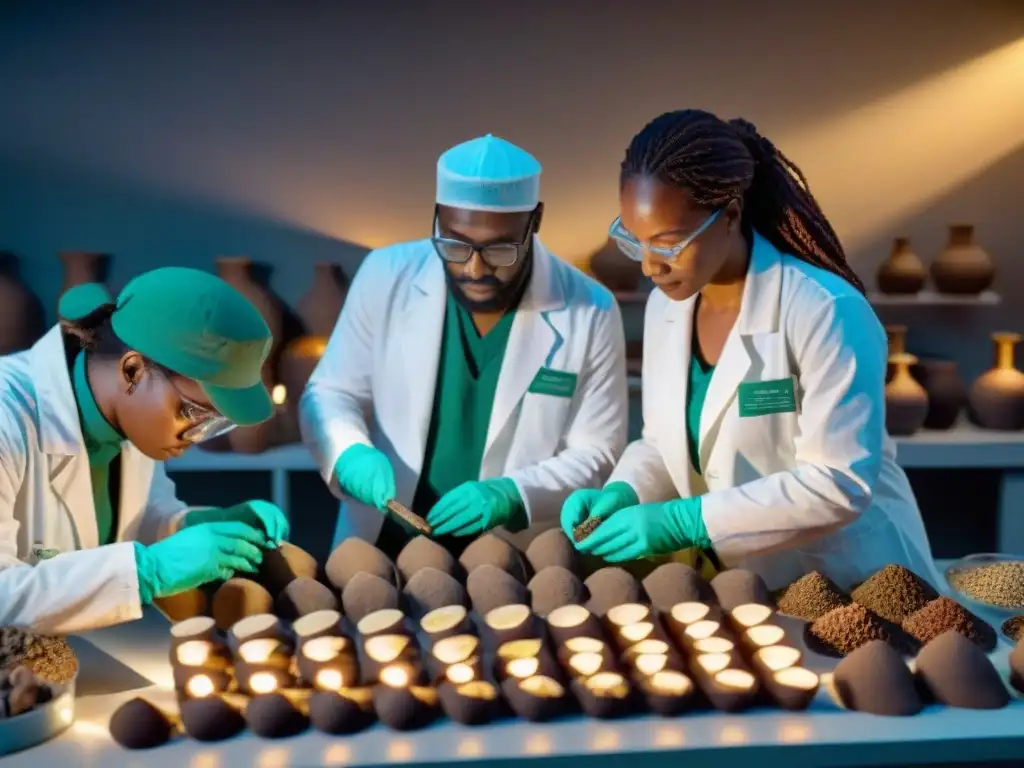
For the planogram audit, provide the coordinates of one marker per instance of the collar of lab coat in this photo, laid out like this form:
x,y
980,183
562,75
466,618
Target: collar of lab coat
x,y
60,431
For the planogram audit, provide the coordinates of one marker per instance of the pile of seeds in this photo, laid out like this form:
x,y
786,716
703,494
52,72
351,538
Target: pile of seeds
x,y
942,615
894,593
51,659
811,597
1013,628
999,584
587,527
846,628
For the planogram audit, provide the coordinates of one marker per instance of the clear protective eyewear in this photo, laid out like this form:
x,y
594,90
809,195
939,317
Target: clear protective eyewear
x,y
206,423
493,254
635,250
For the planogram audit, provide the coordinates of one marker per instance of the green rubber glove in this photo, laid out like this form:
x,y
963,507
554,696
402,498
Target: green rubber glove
x,y
592,503
261,515
476,507
649,529
365,474
196,556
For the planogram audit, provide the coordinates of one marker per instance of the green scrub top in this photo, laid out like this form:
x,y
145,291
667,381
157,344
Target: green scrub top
x,y
467,377
102,444
701,372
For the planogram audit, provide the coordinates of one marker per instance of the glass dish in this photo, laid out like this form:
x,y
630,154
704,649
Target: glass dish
x,y
972,562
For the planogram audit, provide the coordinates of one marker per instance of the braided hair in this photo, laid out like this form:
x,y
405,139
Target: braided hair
x,y
717,161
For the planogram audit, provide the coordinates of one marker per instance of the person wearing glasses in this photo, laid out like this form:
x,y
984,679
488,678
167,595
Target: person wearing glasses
x,y
764,442
472,376
90,527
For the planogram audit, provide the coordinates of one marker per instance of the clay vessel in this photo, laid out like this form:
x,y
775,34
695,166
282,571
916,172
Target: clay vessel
x,y
903,272
897,337
21,313
614,269
298,361
996,399
946,391
906,402
320,306
963,267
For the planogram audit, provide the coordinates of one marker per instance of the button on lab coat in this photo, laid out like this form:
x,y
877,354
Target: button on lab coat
x,y
375,383
54,577
786,493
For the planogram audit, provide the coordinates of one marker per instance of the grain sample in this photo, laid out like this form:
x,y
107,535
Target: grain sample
x,y
1000,584
894,593
283,565
50,659
811,596
554,587
354,556
875,679
490,587
942,615
423,552
584,529
674,583
1013,628
274,716
494,551
238,598
365,593
845,629
184,605
737,587
612,586
303,596
430,589
341,712
553,548
137,724
959,674
211,719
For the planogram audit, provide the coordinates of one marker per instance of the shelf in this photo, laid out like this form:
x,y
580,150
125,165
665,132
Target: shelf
x,y
931,298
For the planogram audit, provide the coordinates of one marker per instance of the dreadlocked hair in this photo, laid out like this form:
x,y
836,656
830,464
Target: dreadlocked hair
x,y
718,161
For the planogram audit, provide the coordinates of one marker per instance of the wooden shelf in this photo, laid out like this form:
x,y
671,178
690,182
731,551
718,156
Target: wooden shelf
x,y
932,298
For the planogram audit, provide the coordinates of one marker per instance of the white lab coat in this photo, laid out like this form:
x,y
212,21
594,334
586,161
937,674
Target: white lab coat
x,y
785,493
375,383
46,506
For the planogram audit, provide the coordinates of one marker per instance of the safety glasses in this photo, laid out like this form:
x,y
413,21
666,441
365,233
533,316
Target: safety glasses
x,y
635,249
493,254
206,423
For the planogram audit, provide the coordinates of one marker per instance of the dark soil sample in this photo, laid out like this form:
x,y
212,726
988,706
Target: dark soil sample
x,y
281,566
959,674
584,529
673,583
811,596
51,659
1013,628
738,586
553,548
137,724
894,593
423,552
430,589
554,587
875,679
843,630
238,598
941,615
494,550
611,586
354,556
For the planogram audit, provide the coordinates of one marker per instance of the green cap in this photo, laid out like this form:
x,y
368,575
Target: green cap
x,y
198,326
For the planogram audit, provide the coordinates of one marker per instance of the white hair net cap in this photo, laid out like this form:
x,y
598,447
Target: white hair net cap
x,y
488,174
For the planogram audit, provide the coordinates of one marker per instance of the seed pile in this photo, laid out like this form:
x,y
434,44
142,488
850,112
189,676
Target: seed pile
x,y
810,597
1013,628
846,628
999,584
50,658
940,616
587,527
894,593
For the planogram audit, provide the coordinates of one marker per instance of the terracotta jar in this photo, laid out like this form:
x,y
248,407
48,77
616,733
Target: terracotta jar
x,y
614,269
947,393
906,402
298,362
963,267
996,399
903,272
21,313
320,306
83,267
897,337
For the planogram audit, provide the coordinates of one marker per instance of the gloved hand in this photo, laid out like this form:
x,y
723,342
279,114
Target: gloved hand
x,y
649,529
195,556
475,507
591,503
365,474
261,515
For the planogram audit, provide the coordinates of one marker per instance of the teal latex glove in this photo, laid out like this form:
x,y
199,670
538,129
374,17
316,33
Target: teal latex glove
x,y
649,529
365,474
592,503
476,507
197,555
261,515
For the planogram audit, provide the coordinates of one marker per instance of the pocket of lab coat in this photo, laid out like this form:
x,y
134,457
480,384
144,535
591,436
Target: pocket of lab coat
x,y
542,423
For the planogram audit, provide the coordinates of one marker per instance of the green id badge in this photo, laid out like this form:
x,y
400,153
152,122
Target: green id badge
x,y
555,383
761,398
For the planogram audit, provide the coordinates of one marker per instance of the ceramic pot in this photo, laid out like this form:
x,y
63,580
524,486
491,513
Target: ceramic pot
x,y
83,267
21,313
906,402
903,272
897,336
320,306
946,391
614,269
963,267
298,360
996,399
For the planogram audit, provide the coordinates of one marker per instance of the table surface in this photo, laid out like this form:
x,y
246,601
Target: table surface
x,y
122,662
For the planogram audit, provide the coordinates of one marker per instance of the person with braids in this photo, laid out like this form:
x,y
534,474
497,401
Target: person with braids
x,y
764,443
90,526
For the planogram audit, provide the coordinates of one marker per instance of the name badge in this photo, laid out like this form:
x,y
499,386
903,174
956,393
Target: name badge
x,y
761,398
555,383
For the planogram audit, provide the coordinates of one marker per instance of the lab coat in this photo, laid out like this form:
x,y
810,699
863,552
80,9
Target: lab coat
x,y
54,578
375,383
783,493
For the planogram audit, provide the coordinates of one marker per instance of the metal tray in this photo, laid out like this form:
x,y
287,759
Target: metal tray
x,y
44,722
